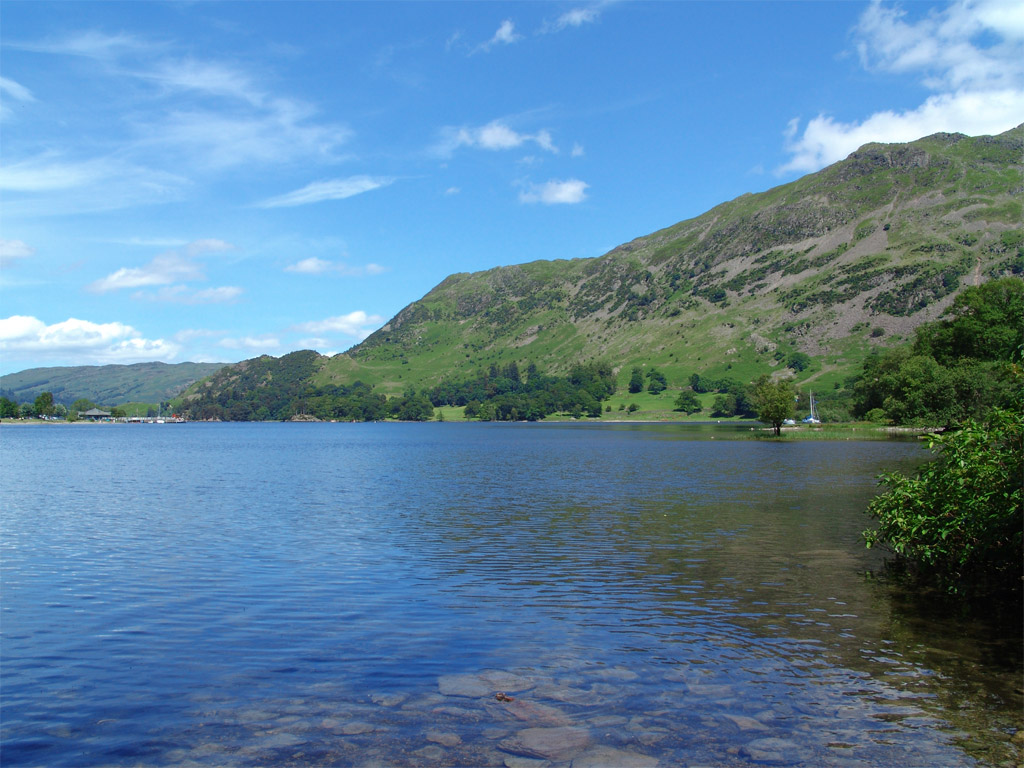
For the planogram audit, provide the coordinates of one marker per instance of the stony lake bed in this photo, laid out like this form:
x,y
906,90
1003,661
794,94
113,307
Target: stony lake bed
x,y
474,595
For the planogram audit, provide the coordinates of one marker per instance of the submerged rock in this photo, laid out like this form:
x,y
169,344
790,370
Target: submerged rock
x,y
357,728
610,757
559,743
772,752
476,685
444,739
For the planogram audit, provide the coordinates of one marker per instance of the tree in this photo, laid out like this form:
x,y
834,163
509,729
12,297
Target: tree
x,y
958,521
44,404
774,401
724,406
687,402
798,361
8,409
636,381
657,383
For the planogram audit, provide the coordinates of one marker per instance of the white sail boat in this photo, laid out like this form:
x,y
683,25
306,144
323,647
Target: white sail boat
x,y
813,417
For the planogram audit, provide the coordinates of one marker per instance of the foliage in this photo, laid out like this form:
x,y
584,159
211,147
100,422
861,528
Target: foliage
x,y
636,381
44,404
8,409
774,401
958,521
687,402
501,394
798,361
983,323
657,383
957,367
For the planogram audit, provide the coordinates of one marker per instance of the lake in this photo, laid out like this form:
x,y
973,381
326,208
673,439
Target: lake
x,y
472,595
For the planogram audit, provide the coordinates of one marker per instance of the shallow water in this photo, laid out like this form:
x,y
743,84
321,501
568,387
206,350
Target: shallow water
x,y
463,594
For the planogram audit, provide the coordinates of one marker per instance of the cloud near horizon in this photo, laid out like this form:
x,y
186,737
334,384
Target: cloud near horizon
x,y
82,340
979,88
357,325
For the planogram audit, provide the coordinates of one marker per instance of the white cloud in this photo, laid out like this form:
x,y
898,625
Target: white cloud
x,y
310,266
971,54
554,192
505,35
577,17
825,141
334,189
356,325
577,150
82,341
494,136
13,250
315,266
252,343
173,266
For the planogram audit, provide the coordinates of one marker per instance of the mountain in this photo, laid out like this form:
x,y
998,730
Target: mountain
x,y
106,384
813,274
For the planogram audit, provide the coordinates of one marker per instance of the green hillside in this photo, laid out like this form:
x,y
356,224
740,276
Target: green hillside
x,y
813,274
106,384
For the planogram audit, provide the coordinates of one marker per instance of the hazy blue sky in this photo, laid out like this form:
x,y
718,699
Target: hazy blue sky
x,y
212,181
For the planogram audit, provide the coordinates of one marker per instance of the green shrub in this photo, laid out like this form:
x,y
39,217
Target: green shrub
x,y
958,521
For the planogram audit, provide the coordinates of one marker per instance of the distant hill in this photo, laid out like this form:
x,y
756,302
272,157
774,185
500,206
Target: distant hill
x,y
830,266
106,384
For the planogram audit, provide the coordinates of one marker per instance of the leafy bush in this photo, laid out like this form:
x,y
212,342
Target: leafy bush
x,y
958,521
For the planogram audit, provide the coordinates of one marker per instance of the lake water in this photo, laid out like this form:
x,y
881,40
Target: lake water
x,y
470,595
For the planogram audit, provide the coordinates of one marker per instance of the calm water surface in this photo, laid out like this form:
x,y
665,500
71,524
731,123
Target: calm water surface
x,y
357,595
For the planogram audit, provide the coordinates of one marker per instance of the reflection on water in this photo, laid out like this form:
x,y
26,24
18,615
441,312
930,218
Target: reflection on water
x,y
451,594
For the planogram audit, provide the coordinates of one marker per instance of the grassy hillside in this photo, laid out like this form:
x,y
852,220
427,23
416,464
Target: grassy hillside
x,y
106,384
832,265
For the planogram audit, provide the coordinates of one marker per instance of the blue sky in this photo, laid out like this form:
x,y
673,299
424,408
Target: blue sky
x,y
213,181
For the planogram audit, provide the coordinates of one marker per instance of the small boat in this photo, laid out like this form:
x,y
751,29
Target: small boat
x,y
813,417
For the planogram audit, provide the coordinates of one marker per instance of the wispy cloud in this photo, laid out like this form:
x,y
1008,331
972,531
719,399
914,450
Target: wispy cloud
x,y
971,54
203,115
80,340
175,266
12,251
505,35
90,44
555,192
576,17
333,189
49,185
12,91
182,294
252,344
315,266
